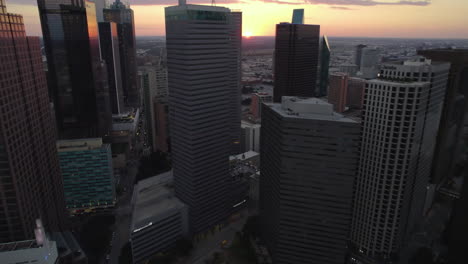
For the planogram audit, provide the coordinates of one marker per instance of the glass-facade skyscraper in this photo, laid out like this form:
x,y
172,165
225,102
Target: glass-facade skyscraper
x,y
324,67
76,77
30,181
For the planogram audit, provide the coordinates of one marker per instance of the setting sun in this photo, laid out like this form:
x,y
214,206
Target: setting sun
x,y
247,34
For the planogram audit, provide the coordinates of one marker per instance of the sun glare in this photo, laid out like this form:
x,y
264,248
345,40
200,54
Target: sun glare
x,y
247,34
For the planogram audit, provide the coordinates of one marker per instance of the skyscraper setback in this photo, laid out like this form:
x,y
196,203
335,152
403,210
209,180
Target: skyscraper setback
x,y
296,60
122,15
400,122
30,181
202,64
76,76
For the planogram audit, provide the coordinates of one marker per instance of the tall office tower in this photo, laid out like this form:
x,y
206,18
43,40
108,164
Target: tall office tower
x,y
122,15
76,77
296,60
100,5
309,156
355,93
30,181
358,56
298,16
370,59
200,75
235,82
338,91
110,53
454,113
401,117
324,66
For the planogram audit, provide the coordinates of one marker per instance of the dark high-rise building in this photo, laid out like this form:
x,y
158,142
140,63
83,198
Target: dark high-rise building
x,y
235,84
202,68
454,113
401,117
110,53
309,157
122,15
76,76
30,181
358,55
296,60
324,67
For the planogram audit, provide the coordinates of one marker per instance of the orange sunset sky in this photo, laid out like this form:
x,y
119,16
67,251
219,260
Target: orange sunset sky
x,y
347,18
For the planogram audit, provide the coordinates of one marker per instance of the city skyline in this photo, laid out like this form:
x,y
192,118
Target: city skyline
x,y
338,18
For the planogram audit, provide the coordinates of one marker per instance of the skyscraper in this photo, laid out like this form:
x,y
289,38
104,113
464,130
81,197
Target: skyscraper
x,y
110,53
122,15
30,181
370,58
201,58
454,113
401,116
309,156
338,91
355,96
358,56
76,77
296,60
324,66
235,83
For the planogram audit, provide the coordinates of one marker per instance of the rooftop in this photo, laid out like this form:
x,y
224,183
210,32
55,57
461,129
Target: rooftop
x,y
308,108
126,121
244,156
78,144
183,6
153,197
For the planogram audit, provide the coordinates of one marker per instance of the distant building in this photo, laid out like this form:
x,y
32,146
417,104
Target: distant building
x,y
124,131
256,104
338,91
161,140
250,136
87,172
309,160
296,60
400,123
355,93
31,186
324,66
122,15
109,46
350,69
358,56
298,16
370,59
201,93
159,219
242,167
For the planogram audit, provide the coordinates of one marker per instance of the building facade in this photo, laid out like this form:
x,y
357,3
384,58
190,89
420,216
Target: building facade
x,y
358,56
400,123
109,45
309,155
325,52
370,59
355,93
250,136
76,77
256,104
88,177
338,91
30,183
122,15
296,60
200,78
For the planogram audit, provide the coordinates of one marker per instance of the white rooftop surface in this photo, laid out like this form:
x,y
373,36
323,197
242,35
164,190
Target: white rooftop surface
x,y
247,155
308,108
151,198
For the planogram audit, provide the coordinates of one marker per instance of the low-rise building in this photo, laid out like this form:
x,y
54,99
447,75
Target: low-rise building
x,y
87,172
159,219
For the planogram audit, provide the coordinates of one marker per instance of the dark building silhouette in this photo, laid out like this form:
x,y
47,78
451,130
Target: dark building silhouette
x,y
296,60
76,77
324,67
30,181
123,16
202,63
235,83
110,53
454,112
309,157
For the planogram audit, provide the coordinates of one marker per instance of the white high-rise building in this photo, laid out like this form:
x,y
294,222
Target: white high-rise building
x,y
370,59
202,60
401,117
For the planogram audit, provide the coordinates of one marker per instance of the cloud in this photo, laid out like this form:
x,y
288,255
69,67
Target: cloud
x,y
341,8
341,3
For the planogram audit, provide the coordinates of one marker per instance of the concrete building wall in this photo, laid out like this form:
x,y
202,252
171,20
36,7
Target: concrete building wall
x,y
337,93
